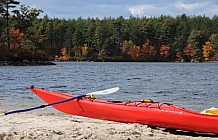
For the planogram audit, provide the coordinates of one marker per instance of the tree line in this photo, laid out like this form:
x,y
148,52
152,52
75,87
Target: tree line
x,y
24,36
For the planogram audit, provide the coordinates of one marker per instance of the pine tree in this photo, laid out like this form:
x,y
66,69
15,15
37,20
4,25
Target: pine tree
x,y
5,5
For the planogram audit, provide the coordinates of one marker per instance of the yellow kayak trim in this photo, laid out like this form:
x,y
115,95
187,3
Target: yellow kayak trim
x,y
210,111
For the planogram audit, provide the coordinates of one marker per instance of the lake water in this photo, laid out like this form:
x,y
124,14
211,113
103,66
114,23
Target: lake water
x,y
190,85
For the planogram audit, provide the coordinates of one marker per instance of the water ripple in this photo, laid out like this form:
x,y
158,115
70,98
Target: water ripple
x,y
190,85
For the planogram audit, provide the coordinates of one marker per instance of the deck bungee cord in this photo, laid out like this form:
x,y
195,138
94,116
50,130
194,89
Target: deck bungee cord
x,y
146,102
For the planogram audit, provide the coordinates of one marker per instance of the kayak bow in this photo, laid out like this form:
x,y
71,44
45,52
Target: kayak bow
x,y
91,94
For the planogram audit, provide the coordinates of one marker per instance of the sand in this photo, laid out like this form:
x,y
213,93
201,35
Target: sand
x,y
59,126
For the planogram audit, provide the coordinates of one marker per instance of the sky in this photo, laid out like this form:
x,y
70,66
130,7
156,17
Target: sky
x,y
72,9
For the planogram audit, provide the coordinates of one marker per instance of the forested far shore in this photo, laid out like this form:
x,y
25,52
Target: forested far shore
x,y
26,37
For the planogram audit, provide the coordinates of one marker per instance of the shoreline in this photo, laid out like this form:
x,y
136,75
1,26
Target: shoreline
x,y
66,127
26,63
44,63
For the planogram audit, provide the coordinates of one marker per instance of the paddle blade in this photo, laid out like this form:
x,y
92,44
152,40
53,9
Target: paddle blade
x,y
103,92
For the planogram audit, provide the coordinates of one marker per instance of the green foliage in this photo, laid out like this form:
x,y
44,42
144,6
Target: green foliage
x,y
214,43
161,38
196,40
5,6
25,17
18,31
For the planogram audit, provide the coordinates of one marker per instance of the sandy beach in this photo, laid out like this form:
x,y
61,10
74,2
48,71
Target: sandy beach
x,y
59,126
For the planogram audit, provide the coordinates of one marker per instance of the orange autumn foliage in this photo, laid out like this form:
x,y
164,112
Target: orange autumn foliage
x,y
64,55
165,51
16,37
134,52
147,51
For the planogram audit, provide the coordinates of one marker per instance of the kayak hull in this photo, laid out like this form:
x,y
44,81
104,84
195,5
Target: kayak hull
x,y
153,114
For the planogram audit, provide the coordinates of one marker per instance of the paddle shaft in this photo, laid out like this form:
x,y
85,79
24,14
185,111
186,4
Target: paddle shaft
x,y
43,106
102,92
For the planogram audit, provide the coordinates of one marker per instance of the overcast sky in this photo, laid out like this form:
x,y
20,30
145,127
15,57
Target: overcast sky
x,y
115,8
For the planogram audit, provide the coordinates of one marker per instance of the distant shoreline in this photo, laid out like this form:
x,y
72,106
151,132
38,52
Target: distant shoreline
x,y
26,63
43,63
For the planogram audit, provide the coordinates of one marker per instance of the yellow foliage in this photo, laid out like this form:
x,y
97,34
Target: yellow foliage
x,y
85,50
207,50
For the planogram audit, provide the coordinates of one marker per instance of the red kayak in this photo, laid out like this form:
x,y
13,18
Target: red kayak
x,y
153,113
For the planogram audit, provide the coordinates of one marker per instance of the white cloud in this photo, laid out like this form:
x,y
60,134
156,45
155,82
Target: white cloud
x,y
113,8
139,10
189,6
207,8
214,9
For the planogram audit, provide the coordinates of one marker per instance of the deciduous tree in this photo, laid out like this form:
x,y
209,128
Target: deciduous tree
x,y
16,38
165,51
148,52
65,56
188,52
134,52
85,50
214,43
207,48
